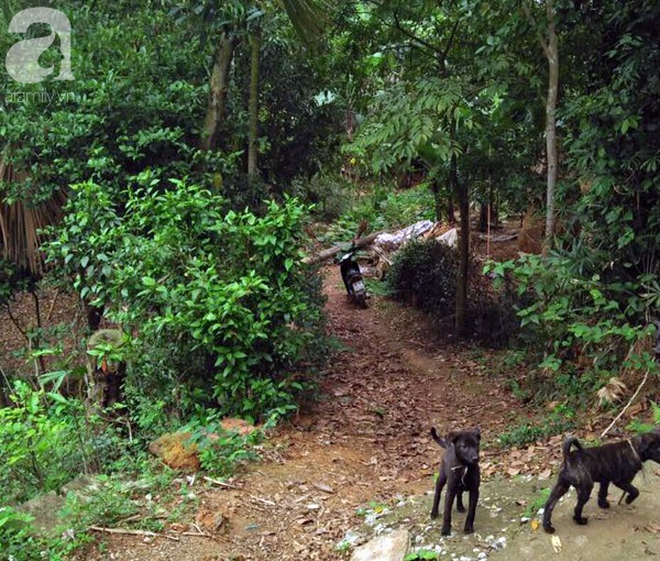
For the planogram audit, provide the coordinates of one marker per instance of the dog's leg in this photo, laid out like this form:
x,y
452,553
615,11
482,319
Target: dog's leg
x,y
557,493
602,495
460,507
439,484
472,509
629,488
583,493
449,502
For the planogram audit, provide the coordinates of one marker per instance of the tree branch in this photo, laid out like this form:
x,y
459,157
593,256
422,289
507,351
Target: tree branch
x,y
445,53
15,322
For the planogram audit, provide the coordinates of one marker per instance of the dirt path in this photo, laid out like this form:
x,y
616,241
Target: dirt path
x,y
364,441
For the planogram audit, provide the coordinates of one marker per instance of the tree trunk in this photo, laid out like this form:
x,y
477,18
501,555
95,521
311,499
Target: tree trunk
x,y
437,200
36,343
461,191
451,217
552,53
331,252
253,108
488,212
218,92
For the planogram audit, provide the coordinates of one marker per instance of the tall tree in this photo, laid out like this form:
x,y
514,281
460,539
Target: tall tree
x,y
253,107
550,46
218,88
230,20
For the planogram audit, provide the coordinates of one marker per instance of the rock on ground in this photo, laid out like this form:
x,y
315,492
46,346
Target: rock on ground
x,y
389,547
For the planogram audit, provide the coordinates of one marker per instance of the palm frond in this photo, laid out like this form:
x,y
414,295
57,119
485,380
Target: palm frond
x,y
309,17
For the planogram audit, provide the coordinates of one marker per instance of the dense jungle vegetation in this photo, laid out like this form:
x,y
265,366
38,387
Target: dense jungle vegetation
x,y
170,191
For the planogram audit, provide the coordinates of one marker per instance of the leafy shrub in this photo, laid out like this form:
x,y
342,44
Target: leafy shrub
x,y
34,444
383,208
560,420
329,194
220,450
587,329
638,426
217,298
46,440
18,542
425,273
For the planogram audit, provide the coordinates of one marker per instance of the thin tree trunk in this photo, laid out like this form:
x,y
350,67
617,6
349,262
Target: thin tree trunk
x,y
450,210
253,108
37,338
552,53
219,86
437,200
461,191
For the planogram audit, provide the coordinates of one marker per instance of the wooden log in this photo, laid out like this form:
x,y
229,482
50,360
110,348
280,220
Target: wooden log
x,y
330,252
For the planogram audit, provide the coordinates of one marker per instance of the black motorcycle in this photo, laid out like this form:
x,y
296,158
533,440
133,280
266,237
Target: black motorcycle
x,y
352,277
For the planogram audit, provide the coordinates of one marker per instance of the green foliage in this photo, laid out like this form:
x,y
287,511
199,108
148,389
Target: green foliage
x,y
421,554
382,208
15,536
224,292
34,443
639,427
87,239
48,439
425,272
412,121
537,503
220,451
578,317
329,194
613,147
561,419
127,110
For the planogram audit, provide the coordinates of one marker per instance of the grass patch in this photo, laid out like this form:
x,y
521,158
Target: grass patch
x,y
537,502
560,420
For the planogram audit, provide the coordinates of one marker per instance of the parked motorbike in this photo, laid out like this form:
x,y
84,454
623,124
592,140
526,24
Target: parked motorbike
x,y
352,277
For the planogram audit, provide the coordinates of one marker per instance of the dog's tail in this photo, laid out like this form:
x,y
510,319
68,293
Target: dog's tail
x,y
569,442
441,441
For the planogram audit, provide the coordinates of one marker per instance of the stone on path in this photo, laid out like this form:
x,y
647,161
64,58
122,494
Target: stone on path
x,y
388,547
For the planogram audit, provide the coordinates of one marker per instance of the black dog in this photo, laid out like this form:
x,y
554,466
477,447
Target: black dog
x,y
460,471
616,463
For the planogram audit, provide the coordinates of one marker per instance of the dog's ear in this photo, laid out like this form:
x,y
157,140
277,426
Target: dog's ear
x,y
477,434
452,437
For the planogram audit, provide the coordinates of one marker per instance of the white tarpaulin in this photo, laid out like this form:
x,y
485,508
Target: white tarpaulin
x,y
450,237
392,241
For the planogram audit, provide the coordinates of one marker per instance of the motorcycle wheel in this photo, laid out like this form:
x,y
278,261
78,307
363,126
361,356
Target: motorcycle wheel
x,y
361,300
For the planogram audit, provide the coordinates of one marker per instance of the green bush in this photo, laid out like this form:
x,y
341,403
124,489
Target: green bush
x,y
221,310
17,541
330,194
35,441
560,420
425,274
382,207
585,329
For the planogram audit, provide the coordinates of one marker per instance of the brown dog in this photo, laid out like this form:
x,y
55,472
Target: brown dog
x,y
460,471
616,463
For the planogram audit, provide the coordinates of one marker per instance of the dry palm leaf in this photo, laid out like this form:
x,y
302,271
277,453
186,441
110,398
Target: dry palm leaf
x,y
612,392
21,223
